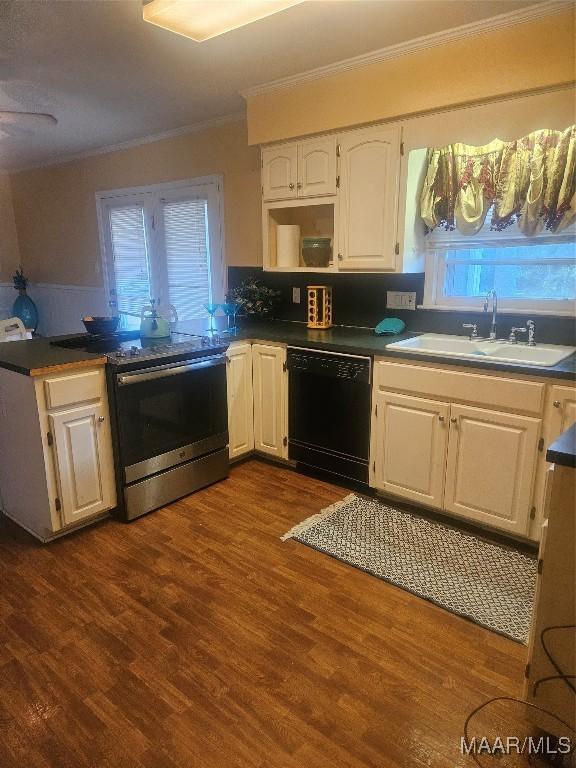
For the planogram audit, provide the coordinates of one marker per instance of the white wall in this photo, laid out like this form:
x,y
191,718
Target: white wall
x,y
61,307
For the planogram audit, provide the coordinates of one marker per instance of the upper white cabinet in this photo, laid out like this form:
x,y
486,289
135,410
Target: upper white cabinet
x,y
83,461
270,400
491,466
317,167
280,172
368,199
302,169
240,400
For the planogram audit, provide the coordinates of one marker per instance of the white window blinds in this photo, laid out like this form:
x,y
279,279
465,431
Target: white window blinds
x,y
164,241
187,256
130,258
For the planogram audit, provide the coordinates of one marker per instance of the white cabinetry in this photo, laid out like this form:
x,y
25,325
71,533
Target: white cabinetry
x,y
409,446
301,169
270,400
83,461
280,172
474,459
490,467
60,471
368,201
317,167
240,400
562,413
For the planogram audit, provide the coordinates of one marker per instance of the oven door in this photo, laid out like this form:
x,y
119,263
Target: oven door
x,y
170,414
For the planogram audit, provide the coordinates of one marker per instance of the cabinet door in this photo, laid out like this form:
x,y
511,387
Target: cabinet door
x,y
83,453
410,447
368,200
279,172
317,167
491,465
563,411
240,400
270,400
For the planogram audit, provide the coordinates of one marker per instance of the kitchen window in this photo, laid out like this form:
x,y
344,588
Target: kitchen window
x,y
535,275
163,241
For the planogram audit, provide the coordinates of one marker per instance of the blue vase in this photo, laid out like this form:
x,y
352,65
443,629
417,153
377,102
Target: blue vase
x,y
26,310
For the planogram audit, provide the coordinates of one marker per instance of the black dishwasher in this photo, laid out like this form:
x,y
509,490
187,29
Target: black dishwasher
x,y
329,412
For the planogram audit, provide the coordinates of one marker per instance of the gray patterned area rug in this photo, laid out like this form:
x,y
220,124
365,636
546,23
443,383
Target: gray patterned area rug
x,y
488,583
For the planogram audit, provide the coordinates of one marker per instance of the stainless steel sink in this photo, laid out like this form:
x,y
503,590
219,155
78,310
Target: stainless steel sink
x,y
546,355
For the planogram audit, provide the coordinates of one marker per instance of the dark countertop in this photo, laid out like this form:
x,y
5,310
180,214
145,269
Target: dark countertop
x,y
362,341
563,450
35,356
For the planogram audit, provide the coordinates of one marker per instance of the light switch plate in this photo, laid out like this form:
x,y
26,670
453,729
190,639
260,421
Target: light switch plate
x,y
401,299
295,295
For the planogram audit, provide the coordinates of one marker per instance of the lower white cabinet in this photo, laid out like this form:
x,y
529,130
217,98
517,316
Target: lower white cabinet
x,y
491,466
409,447
563,410
240,400
83,461
270,400
59,472
469,460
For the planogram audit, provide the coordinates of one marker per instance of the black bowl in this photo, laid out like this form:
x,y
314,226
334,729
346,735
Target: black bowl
x,y
99,325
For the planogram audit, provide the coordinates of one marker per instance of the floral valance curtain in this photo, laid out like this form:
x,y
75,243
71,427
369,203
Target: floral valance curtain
x,y
531,181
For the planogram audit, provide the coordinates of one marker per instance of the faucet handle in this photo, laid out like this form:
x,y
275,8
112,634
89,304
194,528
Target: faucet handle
x,y
474,327
531,331
513,331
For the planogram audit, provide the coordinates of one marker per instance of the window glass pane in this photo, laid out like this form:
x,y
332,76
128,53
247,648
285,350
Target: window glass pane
x,y
130,257
513,281
560,250
187,256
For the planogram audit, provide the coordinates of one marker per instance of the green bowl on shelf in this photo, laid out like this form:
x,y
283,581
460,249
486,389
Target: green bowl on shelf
x,y
316,251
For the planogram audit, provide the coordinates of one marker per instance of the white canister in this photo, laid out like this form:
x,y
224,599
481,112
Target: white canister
x,y
287,245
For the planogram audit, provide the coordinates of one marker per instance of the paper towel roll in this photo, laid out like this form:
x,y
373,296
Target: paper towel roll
x,y
287,245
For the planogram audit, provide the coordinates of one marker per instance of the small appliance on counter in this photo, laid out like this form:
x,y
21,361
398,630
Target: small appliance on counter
x,y
319,306
153,324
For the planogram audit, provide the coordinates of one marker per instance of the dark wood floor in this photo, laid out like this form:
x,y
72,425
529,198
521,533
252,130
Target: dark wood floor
x,y
195,638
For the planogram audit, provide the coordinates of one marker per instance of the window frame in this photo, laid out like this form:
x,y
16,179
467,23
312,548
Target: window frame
x,y
439,244
151,197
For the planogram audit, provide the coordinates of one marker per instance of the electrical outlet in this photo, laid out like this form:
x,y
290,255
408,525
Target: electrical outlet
x,y
401,299
295,295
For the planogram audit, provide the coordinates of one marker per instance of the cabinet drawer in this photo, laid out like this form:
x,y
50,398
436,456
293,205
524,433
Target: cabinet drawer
x,y
75,388
493,391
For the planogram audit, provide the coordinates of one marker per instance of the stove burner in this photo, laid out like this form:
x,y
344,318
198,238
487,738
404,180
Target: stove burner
x,y
125,347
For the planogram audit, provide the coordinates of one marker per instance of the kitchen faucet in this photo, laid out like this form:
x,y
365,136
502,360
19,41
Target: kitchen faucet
x,y
492,293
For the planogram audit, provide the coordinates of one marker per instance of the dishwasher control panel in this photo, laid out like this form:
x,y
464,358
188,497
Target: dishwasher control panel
x,y
329,364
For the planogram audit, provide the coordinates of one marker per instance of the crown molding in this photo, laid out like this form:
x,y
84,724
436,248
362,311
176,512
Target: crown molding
x,y
532,12
63,159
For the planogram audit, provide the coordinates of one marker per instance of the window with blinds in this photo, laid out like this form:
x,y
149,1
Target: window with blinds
x,y
130,258
164,242
187,256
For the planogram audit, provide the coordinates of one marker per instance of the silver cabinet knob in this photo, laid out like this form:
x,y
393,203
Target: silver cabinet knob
x,y
340,257
453,419
100,419
441,418
290,186
299,185
556,403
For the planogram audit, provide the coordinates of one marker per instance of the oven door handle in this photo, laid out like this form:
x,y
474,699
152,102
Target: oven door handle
x,y
170,370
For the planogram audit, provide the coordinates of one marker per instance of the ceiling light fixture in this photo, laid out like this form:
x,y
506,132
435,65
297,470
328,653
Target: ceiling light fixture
x,y
202,19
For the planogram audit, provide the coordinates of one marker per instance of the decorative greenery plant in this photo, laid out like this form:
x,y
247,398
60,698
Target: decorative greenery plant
x,y
254,298
19,279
